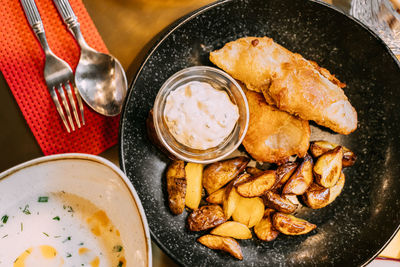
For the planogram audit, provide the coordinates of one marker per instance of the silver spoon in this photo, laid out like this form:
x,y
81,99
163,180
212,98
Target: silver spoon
x,y
100,78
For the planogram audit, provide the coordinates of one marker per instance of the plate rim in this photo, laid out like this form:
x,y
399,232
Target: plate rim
x,y
165,33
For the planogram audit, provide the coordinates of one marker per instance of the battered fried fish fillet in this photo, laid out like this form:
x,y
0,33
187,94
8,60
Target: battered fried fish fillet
x,y
288,81
274,135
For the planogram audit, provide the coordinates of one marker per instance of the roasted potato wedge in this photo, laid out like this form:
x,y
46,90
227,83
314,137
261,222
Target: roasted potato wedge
x,y
194,178
278,202
253,171
349,157
264,230
249,211
283,174
217,197
317,148
318,196
301,179
258,185
289,225
218,174
232,229
206,217
242,177
230,200
328,167
176,186
337,188
226,244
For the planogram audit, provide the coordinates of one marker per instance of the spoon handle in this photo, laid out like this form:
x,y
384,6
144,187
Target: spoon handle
x,y
69,17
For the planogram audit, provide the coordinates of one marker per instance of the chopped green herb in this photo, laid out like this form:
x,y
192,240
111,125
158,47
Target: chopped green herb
x,y
43,199
4,236
81,244
26,210
22,227
120,263
57,218
70,209
45,234
68,238
117,248
69,255
4,219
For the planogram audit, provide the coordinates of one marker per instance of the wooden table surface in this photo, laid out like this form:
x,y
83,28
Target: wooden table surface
x,y
127,27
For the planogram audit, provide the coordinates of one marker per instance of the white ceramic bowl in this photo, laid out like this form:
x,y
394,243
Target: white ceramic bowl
x,y
86,176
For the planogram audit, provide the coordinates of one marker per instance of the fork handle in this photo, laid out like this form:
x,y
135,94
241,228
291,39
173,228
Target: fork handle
x,y
33,16
34,19
69,17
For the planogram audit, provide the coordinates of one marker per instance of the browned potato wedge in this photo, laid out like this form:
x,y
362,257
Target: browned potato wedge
x,y
264,230
328,167
318,197
226,244
176,186
218,174
206,217
317,148
278,202
230,200
216,197
194,178
242,177
253,171
232,229
258,185
283,174
249,211
349,157
337,188
289,225
301,179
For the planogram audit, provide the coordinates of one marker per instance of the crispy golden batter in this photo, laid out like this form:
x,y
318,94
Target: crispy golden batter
x,y
274,135
288,81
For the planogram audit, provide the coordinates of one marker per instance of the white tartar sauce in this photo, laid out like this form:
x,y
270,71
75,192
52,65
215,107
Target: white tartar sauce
x,y
200,116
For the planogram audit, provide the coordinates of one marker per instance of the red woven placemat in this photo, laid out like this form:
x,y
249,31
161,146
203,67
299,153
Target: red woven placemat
x,y
22,62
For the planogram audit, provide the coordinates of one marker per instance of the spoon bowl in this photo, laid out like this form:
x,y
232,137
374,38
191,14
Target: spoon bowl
x,y
101,81
99,77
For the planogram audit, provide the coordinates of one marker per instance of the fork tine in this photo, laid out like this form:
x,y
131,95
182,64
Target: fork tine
x,y
59,109
66,107
72,103
78,97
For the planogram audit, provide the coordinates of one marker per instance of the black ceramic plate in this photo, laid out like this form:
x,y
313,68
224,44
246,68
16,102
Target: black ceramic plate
x,y
353,229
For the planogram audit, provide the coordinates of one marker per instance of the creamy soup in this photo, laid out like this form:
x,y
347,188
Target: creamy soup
x,y
58,229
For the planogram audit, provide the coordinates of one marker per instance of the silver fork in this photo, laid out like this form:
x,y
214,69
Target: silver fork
x,y
57,72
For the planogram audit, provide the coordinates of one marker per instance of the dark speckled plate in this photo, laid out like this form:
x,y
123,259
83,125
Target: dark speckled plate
x,y
353,229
